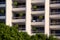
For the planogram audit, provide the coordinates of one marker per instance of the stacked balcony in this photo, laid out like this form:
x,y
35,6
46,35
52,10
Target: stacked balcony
x,y
2,11
19,17
20,26
37,16
2,2
55,22
55,32
39,1
37,8
55,3
55,18
37,20
2,21
55,13
19,5
37,29
19,14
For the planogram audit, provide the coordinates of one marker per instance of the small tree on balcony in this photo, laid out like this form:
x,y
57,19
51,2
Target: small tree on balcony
x,y
21,14
40,17
34,7
15,3
1,11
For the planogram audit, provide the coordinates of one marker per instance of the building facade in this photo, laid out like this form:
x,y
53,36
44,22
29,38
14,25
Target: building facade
x,y
32,16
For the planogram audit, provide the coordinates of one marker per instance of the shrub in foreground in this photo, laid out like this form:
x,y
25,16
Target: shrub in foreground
x,y
11,33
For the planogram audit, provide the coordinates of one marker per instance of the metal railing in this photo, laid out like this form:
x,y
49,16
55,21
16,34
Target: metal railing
x,y
56,23
19,17
2,3
55,2
52,13
38,9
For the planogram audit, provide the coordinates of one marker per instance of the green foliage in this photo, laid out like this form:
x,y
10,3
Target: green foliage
x,y
15,3
2,11
11,33
51,37
20,14
40,17
34,7
24,36
38,37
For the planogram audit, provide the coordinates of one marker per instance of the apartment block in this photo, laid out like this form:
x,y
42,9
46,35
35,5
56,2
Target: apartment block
x,y
32,16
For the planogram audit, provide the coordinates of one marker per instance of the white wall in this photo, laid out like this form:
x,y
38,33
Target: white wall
x,y
47,17
9,12
28,16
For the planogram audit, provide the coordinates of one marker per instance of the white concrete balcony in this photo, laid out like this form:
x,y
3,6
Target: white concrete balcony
x,y
55,13
38,1
55,16
18,20
37,23
19,9
2,5
2,17
38,12
55,26
22,30
56,35
55,5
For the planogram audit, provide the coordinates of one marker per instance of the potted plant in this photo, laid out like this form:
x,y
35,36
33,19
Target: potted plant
x,y
20,14
40,17
15,3
2,11
34,7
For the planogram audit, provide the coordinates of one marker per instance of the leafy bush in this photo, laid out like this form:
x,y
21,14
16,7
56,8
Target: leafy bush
x,y
11,33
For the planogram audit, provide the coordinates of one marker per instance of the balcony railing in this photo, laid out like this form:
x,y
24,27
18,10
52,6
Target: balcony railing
x,y
21,28
56,34
18,5
19,17
55,2
37,29
38,9
2,14
37,20
55,11
2,21
2,2
52,13
56,23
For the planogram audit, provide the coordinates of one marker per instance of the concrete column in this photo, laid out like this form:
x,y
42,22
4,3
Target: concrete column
x,y
28,16
9,12
47,17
